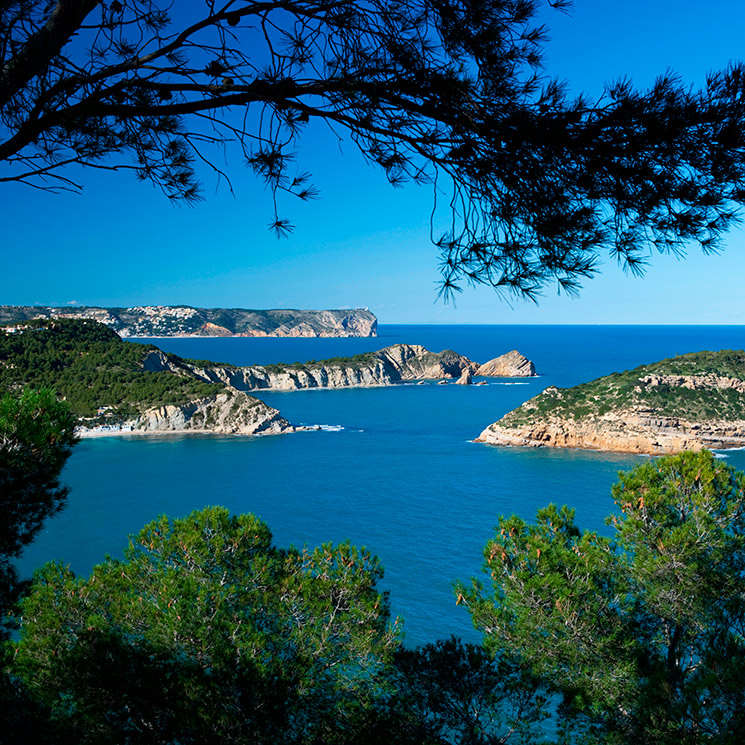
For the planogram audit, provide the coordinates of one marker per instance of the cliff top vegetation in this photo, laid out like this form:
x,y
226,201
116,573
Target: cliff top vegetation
x,y
87,364
357,361
656,387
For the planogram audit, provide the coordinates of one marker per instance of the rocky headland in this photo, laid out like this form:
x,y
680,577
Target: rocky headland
x,y
117,387
110,388
160,320
234,412
229,413
689,402
399,363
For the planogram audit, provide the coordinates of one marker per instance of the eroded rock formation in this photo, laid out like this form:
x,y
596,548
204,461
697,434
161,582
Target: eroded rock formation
x,y
396,364
232,412
510,365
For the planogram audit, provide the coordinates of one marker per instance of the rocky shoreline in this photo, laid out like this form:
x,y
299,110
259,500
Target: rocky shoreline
x,y
395,364
235,412
229,413
684,403
637,432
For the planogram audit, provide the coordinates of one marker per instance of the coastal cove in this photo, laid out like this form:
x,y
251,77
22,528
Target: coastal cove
x,y
394,469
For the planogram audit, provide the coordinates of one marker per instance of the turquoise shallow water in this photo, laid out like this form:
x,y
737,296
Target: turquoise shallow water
x,y
396,471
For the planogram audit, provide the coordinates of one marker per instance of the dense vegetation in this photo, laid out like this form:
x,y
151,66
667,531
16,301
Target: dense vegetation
x,y
621,391
447,358
354,362
205,632
36,438
641,632
91,368
215,636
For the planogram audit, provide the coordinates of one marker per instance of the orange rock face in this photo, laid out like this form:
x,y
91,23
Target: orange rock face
x,y
632,431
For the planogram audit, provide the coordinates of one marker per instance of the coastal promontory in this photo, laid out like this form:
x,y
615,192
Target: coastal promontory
x,y
399,363
688,402
114,386
160,320
108,386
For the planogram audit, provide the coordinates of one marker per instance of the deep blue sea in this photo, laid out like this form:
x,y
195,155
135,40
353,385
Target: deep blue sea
x,y
395,470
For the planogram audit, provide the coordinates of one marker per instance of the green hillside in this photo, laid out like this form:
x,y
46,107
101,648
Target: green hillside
x,y
90,367
621,391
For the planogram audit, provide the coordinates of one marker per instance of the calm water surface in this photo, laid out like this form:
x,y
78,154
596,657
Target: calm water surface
x,y
395,471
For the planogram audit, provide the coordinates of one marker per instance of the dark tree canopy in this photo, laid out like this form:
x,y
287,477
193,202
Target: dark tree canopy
x,y
207,633
445,92
643,633
36,438
451,692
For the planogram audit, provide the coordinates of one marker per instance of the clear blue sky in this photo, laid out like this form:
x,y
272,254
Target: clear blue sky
x,y
364,243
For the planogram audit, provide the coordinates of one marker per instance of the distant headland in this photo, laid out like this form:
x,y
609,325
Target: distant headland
x,y
183,320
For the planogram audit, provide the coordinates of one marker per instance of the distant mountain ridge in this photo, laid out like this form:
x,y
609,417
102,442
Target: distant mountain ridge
x,y
183,320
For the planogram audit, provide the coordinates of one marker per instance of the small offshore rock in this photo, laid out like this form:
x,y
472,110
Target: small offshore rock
x,y
510,365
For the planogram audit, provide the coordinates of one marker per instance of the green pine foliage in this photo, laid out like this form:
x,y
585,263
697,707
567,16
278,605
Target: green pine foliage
x,y
91,368
36,439
642,632
205,632
355,362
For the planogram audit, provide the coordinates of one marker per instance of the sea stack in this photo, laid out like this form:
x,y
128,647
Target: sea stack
x,y
466,377
510,365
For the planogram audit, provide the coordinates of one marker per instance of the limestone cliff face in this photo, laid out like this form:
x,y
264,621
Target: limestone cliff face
x,y
322,323
510,365
234,412
395,364
653,410
231,412
631,431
